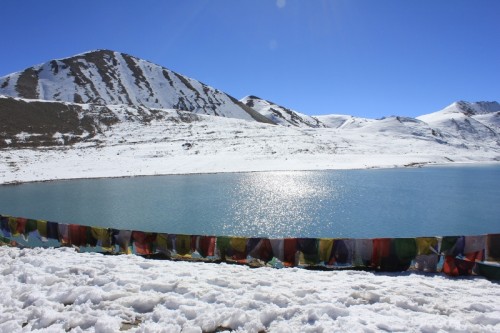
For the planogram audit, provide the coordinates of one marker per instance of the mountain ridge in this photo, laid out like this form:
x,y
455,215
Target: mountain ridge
x,y
280,114
106,77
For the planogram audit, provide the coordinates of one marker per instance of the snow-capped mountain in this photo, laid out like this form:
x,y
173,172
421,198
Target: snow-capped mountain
x,y
462,120
343,121
280,114
468,121
287,117
106,77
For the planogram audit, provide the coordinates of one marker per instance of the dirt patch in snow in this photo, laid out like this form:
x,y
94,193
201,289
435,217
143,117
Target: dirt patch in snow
x,y
36,124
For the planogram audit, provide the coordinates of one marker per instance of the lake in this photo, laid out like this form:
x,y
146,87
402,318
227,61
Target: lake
x,y
405,202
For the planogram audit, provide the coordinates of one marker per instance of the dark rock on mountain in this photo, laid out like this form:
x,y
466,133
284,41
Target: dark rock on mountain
x,y
280,114
28,124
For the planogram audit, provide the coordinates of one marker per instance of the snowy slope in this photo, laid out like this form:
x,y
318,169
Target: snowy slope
x,y
279,114
469,121
398,125
107,78
287,117
343,121
84,140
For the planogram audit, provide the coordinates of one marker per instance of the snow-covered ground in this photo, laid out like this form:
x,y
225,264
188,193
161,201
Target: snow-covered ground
x,y
206,144
57,290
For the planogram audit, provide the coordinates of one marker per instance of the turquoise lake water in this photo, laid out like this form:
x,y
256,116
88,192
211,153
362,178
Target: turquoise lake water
x,y
408,202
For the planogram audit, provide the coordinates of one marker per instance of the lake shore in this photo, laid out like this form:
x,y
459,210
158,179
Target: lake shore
x,y
65,164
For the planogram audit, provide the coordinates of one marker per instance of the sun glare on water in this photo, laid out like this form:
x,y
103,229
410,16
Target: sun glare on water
x,y
274,203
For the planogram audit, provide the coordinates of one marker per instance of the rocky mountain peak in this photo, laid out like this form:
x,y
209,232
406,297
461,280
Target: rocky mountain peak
x,y
106,77
280,114
475,108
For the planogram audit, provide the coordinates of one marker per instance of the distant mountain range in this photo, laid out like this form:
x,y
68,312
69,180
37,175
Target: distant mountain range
x,y
89,100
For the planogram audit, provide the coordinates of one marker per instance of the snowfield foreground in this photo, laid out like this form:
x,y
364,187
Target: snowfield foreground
x,y
57,290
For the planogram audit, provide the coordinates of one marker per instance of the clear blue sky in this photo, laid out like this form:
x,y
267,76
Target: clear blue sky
x,y
365,58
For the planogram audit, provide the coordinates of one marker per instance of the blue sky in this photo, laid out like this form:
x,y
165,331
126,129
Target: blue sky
x,y
365,58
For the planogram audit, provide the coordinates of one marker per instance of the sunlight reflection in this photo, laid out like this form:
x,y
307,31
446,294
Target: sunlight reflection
x,y
275,203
